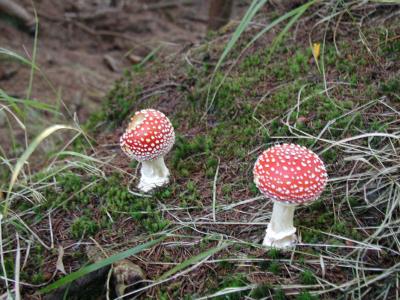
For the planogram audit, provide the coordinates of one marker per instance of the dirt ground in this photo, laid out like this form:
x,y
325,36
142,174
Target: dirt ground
x,y
84,46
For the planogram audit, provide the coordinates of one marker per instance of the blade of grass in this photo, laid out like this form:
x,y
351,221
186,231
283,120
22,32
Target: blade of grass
x,y
9,124
253,9
7,109
214,203
148,57
4,271
192,260
6,98
98,265
31,76
17,57
33,60
31,103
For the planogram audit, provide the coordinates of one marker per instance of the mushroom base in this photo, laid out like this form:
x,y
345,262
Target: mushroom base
x,y
280,232
279,240
154,174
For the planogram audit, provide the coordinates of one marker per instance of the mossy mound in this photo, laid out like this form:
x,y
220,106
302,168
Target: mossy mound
x,y
342,102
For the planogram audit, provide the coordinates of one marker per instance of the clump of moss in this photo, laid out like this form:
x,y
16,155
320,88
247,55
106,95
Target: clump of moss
x,y
261,291
83,226
237,280
109,196
307,277
391,86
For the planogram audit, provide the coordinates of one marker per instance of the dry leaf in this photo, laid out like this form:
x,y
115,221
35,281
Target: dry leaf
x,y
60,264
316,48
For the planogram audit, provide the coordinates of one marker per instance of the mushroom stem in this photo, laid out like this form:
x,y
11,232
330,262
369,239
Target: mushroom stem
x,y
281,232
154,173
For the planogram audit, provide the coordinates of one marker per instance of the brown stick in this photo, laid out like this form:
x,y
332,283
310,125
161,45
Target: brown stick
x,y
219,13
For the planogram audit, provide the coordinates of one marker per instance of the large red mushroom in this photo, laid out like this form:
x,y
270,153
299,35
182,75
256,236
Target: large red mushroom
x,y
149,136
290,175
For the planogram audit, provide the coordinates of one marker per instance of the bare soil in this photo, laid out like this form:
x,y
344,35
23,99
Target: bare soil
x,y
84,46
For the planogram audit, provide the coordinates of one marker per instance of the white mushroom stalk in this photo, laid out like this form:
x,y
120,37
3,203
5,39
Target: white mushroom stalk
x,y
290,175
153,173
280,231
148,138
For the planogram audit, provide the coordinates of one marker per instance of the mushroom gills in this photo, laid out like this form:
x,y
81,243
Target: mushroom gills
x,y
154,174
280,232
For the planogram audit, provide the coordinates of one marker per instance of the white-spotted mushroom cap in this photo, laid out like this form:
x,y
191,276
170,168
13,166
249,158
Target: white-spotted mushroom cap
x,y
149,135
290,174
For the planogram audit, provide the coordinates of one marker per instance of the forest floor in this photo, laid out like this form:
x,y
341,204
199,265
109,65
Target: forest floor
x,y
341,101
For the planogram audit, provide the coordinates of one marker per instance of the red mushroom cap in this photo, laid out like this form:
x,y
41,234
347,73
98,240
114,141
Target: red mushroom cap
x,y
149,135
290,173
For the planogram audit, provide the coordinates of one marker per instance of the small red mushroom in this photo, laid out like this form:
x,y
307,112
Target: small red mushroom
x,y
148,138
290,175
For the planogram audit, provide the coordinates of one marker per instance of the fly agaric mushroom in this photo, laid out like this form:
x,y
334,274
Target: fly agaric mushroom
x,y
290,175
147,139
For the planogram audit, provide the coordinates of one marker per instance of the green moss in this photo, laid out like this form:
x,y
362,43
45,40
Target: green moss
x,y
298,64
226,265
184,148
233,281
279,295
311,236
261,291
391,86
253,188
226,189
191,195
274,268
251,61
329,156
274,253
307,277
83,226
110,196
37,278
144,211
8,267
353,201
